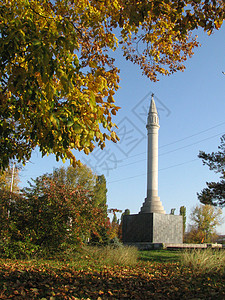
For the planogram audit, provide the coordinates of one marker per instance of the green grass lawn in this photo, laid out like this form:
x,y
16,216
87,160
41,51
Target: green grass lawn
x,y
160,256
93,275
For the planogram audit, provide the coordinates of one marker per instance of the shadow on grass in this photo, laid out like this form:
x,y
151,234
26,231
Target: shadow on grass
x,y
160,256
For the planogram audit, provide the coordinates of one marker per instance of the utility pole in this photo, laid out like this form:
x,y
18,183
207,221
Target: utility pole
x,y
11,187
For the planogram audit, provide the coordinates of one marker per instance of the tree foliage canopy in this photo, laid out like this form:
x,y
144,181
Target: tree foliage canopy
x,y
204,219
57,76
100,190
53,214
183,214
214,193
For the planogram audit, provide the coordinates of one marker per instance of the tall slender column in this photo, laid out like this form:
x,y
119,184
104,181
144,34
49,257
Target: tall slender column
x,y
152,202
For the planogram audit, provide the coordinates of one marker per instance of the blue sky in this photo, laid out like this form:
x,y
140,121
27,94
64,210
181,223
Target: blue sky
x,y
191,105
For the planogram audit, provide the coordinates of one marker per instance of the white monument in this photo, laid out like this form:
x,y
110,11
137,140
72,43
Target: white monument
x,y
152,202
152,226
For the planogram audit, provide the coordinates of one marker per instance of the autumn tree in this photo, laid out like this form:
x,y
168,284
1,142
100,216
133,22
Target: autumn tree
x,y
82,176
75,177
193,235
204,220
54,213
100,198
10,237
172,211
57,74
115,219
214,193
100,190
183,214
125,213
60,214
114,224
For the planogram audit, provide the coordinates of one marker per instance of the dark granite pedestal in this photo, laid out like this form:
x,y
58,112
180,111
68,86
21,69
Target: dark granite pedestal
x,y
152,228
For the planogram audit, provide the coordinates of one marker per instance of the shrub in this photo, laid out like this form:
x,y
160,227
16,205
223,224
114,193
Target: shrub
x,y
205,260
49,217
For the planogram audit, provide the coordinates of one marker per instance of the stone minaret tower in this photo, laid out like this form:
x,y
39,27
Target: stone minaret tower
x,y
152,202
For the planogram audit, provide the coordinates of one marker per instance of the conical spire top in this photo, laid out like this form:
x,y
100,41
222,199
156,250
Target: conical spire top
x,y
153,119
152,106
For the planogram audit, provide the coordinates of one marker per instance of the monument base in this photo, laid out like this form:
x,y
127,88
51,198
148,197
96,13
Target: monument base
x,y
152,204
152,228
